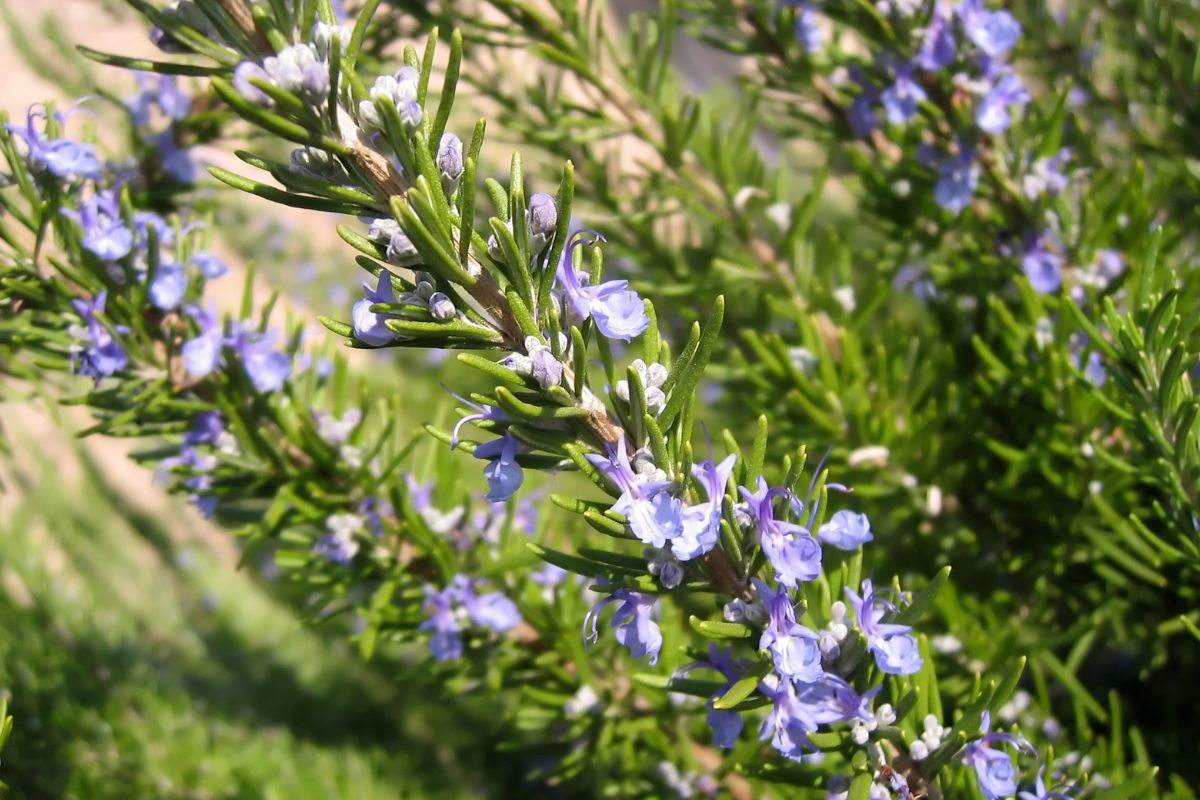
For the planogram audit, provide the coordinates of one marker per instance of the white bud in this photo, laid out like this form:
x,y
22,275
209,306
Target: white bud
x,y
918,751
441,307
859,733
886,714
734,611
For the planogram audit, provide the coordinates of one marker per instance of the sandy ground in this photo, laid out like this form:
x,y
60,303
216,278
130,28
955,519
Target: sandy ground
x,y
87,22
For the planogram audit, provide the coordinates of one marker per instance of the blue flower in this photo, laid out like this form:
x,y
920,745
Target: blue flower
x,y
267,368
618,312
794,648
491,610
636,629
993,115
861,114
63,158
241,81
1045,175
1042,263
655,517
201,354
105,234
895,650
369,327
789,723
726,724
504,474
902,99
445,644
958,175
846,530
177,163
339,544
937,44
161,91
702,522
993,32
482,413
210,265
1039,791
994,767
831,699
102,355
808,32
790,548
169,286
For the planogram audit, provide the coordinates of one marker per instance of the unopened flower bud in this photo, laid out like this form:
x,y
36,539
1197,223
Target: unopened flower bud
x,y
408,82
450,161
886,714
368,115
547,370
401,251
441,307
734,611
241,81
542,219
324,35
411,114
383,229
918,751
671,574
656,401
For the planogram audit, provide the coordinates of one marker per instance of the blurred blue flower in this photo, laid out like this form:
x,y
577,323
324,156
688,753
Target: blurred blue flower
x,y
846,530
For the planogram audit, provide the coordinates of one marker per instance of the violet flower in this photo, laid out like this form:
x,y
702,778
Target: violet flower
x,y
636,629
618,311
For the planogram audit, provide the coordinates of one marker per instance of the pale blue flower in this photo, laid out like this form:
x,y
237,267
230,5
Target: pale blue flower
x,y
846,530
504,474
369,327
993,32
789,724
994,115
241,81
157,90
938,50
102,355
201,354
169,286
702,521
793,647
618,312
61,157
105,234
958,175
726,724
490,610
633,621
266,367
902,99
209,264
993,767
831,699
895,649
654,515
790,548
445,644
1042,263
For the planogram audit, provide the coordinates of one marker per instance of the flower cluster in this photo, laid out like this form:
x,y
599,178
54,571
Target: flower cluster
x,y
163,92
454,609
